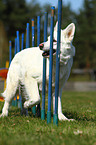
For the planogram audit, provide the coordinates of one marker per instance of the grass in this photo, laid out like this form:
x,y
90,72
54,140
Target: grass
x,y
81,106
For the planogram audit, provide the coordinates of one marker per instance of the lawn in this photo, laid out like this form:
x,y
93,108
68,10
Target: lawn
x,y
81,106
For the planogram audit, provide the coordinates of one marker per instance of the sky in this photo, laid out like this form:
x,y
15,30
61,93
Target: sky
x,y
75,4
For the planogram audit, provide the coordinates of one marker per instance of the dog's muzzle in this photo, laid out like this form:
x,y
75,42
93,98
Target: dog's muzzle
x,y
41,46
46,53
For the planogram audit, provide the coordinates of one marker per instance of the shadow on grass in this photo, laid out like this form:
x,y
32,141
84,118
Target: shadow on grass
x,y
16,112
78,117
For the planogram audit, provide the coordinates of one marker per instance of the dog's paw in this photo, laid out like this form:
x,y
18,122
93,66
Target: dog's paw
x,y
26,104
3,115
61,117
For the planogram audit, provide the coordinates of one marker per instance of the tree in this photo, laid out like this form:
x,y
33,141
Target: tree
x,y
14,15
3,46
86,35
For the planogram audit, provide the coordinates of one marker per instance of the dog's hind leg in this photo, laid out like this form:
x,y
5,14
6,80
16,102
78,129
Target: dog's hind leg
x,y
31,87
11,87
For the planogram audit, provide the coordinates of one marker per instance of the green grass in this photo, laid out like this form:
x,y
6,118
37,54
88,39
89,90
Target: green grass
x,y
21,130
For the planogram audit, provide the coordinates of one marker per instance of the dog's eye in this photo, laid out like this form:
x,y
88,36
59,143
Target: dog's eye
x,y
54,40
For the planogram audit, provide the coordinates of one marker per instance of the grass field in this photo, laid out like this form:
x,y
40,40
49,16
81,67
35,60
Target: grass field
x,y
21,130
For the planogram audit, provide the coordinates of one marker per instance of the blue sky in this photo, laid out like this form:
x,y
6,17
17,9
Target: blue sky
x,y
75,4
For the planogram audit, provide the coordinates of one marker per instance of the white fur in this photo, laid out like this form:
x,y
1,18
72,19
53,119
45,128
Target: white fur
x,y
27,65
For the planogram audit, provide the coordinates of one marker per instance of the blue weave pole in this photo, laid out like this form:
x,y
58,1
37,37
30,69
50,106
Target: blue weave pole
x,y
18,41
18,50
50,66
15,48
33,33
10,58
55,116
33,44
38,42
10,51
22,41
27,36
38,30
15,51
44,70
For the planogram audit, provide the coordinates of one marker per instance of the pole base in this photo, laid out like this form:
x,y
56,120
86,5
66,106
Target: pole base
x,y
24,112
43,114
48,117
55,119
34,110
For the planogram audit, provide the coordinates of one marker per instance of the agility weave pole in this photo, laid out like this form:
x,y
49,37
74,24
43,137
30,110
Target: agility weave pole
x,y
44,69
50,66
33,33
55,114
33,44
10,58
17,101
17,49
22,41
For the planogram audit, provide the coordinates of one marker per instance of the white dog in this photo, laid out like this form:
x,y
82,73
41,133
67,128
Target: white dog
x,y
27,65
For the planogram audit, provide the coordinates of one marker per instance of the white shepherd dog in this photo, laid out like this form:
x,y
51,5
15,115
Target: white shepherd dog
x,y
26,69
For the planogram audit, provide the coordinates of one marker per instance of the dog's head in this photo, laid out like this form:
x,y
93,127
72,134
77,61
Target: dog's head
x,y
66,47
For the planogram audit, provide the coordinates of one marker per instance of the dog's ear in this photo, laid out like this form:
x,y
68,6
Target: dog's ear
x,y
69,31
56,26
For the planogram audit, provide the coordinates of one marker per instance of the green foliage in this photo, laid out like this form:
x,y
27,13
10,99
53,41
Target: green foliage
x,y
86,35
3,45
16,129
16,14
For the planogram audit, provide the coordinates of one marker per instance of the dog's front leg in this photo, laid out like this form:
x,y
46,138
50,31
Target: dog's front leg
x,y
32,90
60,114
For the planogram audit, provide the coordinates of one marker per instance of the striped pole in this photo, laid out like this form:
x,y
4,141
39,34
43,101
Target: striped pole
x,y
50,67
55,116
44,69
27,36
33,33
22,41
